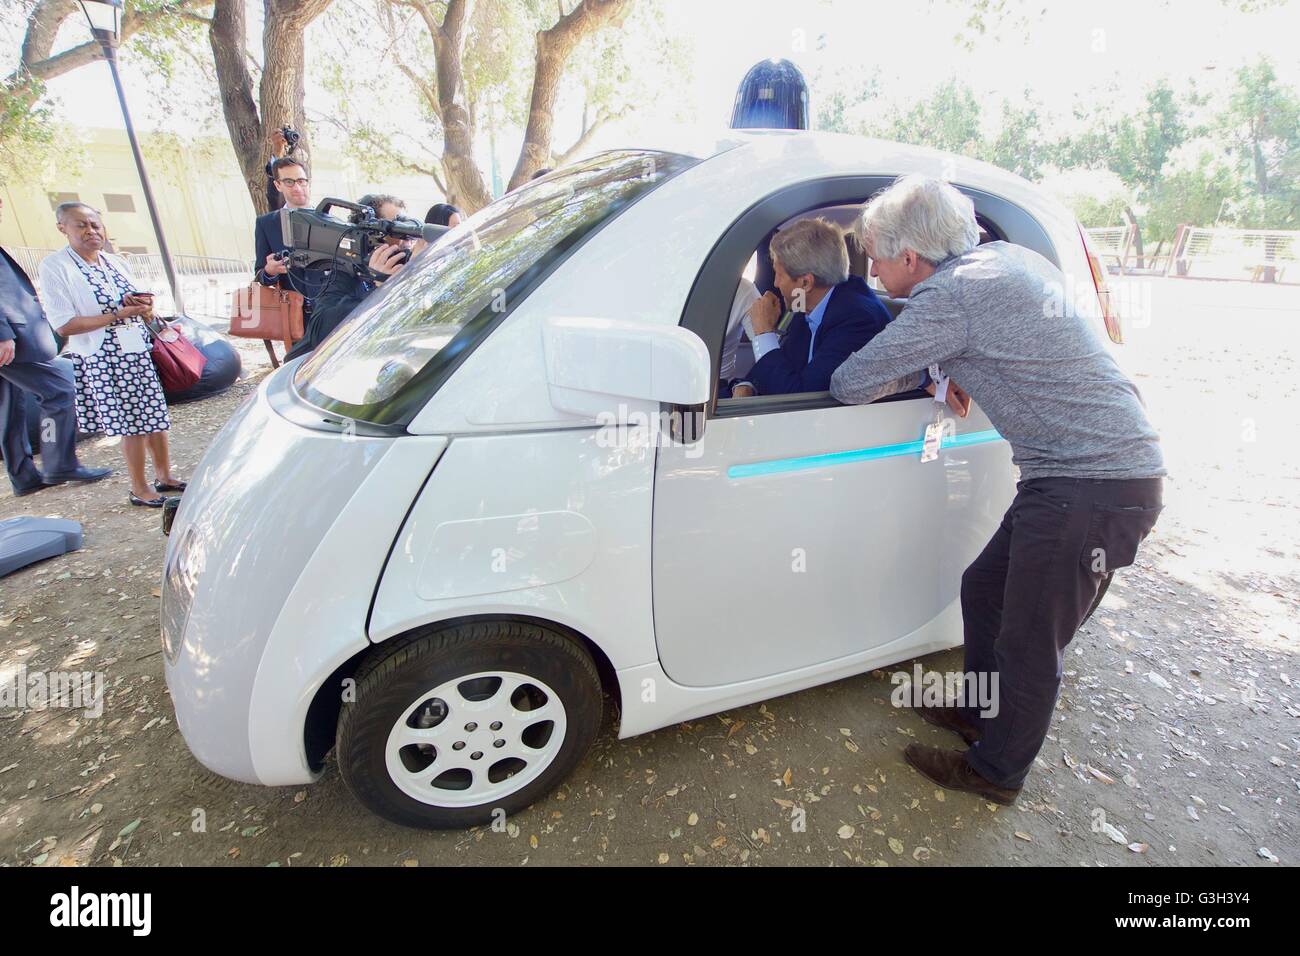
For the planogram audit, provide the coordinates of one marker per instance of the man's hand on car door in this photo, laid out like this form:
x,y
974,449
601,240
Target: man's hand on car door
x,y
957,399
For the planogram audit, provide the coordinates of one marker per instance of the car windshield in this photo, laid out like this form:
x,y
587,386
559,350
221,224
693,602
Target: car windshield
x,y
382,364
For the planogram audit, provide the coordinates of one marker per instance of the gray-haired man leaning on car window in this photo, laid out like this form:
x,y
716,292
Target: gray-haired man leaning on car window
x,y
1090,462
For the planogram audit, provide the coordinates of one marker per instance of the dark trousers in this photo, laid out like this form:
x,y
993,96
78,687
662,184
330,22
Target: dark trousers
x,y
1024,597
54,393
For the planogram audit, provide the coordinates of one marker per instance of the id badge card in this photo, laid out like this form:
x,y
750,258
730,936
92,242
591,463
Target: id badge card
x,y
129,339
933,440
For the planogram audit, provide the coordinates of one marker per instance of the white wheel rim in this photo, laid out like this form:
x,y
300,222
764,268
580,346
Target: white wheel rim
x,y
438,765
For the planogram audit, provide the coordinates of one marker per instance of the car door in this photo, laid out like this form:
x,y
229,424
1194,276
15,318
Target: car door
x,y
796,531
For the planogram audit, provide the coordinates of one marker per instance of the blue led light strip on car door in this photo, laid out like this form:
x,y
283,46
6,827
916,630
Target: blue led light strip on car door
x,y
780,465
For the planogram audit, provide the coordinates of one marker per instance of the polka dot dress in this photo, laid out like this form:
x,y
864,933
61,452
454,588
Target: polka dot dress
x,y
117,392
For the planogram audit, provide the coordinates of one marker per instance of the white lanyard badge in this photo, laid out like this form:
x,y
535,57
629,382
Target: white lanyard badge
x,y
934,431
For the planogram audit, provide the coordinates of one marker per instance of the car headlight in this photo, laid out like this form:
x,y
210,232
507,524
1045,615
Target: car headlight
x,y
180,577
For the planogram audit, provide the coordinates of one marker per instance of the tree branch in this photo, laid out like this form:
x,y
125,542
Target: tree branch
x,y
602,119
39,64
554,47
425,90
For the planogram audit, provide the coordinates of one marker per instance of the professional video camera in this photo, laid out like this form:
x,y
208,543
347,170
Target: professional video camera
x,y
318,240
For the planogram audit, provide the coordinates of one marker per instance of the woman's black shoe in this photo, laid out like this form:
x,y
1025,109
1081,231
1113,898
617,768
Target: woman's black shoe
x,y
145,502
169,486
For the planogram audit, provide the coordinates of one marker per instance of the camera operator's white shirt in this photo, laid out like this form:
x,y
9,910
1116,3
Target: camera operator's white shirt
x,y
65,294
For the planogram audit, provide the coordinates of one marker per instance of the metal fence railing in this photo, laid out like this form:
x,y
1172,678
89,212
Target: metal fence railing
x,y
29,258
206,281
1264,254
1114,242
187,265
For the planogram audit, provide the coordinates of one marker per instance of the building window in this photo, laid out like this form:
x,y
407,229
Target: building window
x,y
56,198
119,202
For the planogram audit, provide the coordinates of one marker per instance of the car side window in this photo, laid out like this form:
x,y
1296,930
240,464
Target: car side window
x,y
708,307
843,319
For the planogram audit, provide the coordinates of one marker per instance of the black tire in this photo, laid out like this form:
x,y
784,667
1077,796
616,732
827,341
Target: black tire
x,y
405,669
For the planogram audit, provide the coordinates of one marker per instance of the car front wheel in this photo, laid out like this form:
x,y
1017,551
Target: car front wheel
x,y
469,724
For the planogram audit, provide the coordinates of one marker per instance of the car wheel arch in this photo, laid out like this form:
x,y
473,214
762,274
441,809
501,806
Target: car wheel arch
x,y
321,723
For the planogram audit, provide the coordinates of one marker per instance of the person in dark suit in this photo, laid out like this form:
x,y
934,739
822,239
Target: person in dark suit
x,y
834,314
27,351
291,182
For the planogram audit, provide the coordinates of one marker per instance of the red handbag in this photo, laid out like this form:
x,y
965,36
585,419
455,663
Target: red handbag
x,y
179,362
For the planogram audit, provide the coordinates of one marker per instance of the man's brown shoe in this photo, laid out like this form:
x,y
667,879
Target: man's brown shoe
x,y
949,718
949,769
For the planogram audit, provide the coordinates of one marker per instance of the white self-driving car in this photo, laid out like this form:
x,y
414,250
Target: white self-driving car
x,y
506,490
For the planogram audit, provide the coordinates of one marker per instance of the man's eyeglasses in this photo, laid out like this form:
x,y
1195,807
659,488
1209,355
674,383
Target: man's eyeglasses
x,y
293,182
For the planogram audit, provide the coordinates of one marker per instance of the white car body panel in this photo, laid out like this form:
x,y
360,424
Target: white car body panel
x,y
567,543
277,608
323,622
778,570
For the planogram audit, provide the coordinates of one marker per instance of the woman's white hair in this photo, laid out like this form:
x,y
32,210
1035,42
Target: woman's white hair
x,y
929,216
812,246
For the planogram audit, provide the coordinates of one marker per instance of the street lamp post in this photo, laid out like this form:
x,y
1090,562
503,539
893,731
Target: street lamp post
x,y
105,19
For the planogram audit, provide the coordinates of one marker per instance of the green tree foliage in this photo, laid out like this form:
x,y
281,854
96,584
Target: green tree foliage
x,y
160,38
1261,130
1133,146
1199,195
1093,212
952,119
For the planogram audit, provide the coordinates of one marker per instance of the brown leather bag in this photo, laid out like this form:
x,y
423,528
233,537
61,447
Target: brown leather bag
x,y
268,313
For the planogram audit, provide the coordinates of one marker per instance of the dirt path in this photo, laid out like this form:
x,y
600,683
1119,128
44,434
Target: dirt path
x,y
1177,738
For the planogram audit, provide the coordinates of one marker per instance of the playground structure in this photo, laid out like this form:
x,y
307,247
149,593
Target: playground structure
x,y
1197,252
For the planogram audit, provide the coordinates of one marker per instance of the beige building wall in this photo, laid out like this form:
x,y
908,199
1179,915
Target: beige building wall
x,y
204,205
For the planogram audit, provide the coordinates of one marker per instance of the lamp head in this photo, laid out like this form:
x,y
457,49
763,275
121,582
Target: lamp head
x,y
105,19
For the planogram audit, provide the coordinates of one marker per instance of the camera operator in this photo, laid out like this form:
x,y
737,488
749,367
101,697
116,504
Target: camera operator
x,y
344,290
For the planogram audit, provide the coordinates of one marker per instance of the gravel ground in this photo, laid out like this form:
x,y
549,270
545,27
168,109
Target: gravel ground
x,y
1176,740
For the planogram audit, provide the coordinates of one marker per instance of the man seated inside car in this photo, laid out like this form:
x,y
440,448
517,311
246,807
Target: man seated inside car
x,y
834,314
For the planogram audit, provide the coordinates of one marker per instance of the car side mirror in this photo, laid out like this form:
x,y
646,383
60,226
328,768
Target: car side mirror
x,y
594,366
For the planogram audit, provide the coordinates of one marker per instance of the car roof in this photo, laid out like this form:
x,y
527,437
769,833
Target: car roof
x,y
768,159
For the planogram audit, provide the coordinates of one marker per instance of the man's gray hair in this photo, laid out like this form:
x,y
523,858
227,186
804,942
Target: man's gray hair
x,y
929,216
64,209
812,246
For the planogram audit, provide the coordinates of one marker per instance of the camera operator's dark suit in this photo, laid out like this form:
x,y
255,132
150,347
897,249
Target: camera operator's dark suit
x,y
343,292
32,370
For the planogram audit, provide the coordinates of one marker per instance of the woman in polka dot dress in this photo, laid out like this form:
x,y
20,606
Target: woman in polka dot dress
x,y
90,297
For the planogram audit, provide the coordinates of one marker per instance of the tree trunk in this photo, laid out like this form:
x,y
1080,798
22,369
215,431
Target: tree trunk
x,y
280,94
554,47
226,36
465,186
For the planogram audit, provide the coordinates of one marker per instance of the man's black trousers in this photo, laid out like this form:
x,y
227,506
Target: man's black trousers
x,y
1024,597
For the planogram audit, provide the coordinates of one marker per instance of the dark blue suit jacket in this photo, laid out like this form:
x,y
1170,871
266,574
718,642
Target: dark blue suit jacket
x,y
853,317
21,317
